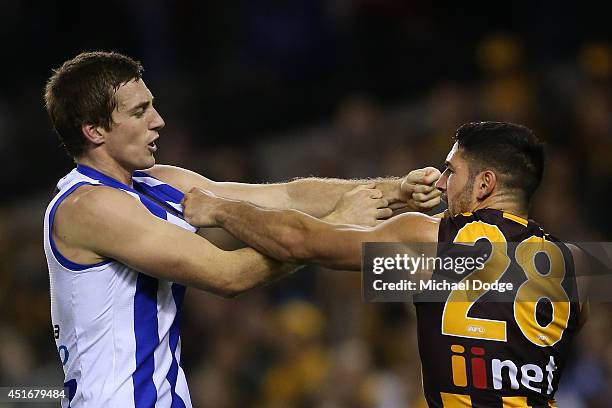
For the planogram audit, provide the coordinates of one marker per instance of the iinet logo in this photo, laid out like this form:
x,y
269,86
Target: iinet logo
x,y
530,374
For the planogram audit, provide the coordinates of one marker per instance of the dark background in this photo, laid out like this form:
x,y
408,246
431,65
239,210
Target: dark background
x,y
265,90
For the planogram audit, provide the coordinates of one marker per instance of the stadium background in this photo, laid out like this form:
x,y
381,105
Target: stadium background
x,y
267,90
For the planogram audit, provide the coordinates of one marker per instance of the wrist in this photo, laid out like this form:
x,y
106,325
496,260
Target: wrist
x,y
221,210
391,189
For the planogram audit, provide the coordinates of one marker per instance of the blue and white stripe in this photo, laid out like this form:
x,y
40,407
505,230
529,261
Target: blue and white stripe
x,y
121,328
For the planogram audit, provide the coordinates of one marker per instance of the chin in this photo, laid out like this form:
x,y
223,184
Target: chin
x,y
145,164
454,211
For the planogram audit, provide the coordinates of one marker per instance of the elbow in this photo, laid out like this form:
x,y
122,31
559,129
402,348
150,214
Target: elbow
x,y
228,291
236,281
225,283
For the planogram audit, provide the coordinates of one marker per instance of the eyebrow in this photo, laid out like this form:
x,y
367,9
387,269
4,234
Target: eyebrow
x,y
143,105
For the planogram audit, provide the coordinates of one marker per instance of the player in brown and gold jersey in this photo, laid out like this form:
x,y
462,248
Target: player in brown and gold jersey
x,y
476,350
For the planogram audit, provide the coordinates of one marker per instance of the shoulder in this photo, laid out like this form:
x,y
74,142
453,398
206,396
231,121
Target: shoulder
x,y
178,177
93,214
413,227
94,198
92,206
161,170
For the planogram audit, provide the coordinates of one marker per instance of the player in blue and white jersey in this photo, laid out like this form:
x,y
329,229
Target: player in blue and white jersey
x,y
120,253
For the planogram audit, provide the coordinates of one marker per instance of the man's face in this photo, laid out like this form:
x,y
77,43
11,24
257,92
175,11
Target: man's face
x,y
136,123
455,183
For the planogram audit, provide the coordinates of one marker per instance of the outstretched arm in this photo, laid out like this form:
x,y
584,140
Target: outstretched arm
x,y
292,236
314,196
96,223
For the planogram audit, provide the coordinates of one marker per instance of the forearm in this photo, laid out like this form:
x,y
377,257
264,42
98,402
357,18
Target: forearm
x,y
282,235
319,196
286,235
314,196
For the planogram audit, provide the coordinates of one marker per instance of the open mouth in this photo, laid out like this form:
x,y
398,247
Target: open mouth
x,y
152,146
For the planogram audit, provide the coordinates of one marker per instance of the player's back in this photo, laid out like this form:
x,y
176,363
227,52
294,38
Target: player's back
x,y
497,346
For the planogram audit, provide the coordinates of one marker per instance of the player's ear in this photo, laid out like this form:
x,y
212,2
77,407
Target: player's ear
x,y
93,133
487,180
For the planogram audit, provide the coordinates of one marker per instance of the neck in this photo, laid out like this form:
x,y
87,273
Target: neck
x,y
504,202
109,168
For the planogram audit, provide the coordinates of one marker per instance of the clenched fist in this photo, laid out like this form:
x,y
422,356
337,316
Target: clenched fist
x,y
199,207
419,190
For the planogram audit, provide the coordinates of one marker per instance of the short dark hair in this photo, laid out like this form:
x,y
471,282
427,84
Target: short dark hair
x,y
512,150
83,90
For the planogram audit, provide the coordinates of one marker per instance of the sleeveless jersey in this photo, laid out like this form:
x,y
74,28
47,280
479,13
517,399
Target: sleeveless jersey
x,y
117,330
484,347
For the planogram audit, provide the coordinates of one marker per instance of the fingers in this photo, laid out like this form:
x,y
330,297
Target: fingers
x,y
369,189
431,175
429,204
422,197
381,203
421,178
422,188
372,190
196,194
187,197
364,205
364,187
375,193
398,205
384,213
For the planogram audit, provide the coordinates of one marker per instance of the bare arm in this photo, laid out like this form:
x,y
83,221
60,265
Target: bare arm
x,y
292,236
111,224
314,196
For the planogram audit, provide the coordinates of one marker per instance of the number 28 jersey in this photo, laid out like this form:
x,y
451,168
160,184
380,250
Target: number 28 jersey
x,y
482,346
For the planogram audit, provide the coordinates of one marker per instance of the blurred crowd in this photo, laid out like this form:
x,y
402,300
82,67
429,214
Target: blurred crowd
x,y
309,340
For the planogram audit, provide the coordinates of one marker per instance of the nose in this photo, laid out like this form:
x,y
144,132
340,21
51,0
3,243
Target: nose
x,y
157,122
441,183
